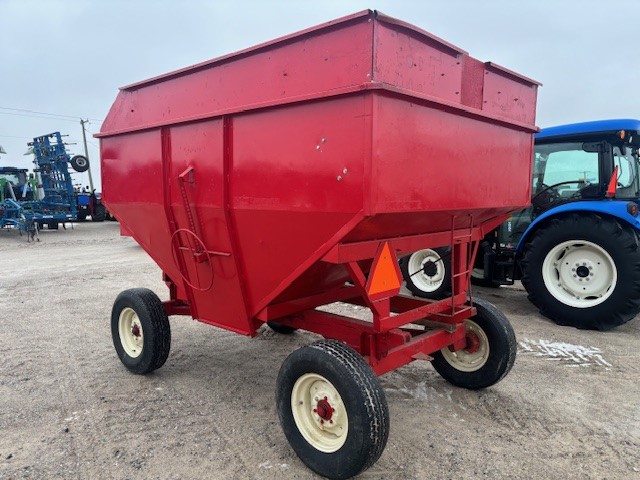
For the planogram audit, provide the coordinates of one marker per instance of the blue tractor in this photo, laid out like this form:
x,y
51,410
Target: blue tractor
x,y
576,249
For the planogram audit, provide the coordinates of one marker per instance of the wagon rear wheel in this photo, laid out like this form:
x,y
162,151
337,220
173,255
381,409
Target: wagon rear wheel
x,y
332,409
140,330
489,354
427,272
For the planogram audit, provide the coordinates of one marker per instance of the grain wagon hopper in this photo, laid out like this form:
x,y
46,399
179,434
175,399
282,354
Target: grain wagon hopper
x,y
292,175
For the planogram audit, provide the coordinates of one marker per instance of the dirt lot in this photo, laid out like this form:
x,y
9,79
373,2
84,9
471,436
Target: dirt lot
x,y
69,409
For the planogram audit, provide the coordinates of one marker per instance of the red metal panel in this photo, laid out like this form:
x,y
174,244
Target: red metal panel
x,y
297,180
418,63
338,56
431,160
472,82
133,188
201,146
508,94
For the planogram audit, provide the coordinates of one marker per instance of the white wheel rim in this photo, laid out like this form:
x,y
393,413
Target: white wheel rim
x,y
319,413
475,355
580,274
415,267
130,330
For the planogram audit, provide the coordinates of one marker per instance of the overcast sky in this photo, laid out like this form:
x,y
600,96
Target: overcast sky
x,y
68,57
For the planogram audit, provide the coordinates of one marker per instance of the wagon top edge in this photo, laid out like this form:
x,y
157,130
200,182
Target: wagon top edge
x,y
364,15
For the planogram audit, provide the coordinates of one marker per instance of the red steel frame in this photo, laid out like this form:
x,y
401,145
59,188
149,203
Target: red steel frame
x,y
391,340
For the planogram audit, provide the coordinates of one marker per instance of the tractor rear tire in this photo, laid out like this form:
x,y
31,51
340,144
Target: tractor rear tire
x,y
140,330
489,355
584,271
99,213
332,409
427,272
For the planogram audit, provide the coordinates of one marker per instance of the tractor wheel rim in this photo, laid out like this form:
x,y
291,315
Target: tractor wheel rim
x,y
421,280
130,331
475,355
477,273
579,273
319,413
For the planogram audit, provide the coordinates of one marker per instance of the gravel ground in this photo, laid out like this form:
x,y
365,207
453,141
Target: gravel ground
x,y
69,409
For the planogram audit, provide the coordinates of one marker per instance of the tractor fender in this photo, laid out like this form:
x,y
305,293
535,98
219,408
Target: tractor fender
x,y
612,208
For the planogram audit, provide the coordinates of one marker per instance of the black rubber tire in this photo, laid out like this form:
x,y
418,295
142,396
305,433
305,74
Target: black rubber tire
x,y
155,327
99,213
501,353
79,163
444,290
618,240
53,225
82,215
363,398
283,329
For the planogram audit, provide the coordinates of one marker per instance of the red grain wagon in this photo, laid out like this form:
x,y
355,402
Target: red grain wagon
x,y
291,175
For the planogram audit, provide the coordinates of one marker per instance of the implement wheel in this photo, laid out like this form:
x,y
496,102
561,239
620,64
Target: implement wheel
x,y
79,163
332,409
584,271
427,272
489,354
140,330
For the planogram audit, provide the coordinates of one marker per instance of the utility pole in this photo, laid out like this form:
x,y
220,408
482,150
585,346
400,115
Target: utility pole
x,y
86,152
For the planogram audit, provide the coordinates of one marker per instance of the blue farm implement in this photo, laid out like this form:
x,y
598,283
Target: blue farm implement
x,y
48,196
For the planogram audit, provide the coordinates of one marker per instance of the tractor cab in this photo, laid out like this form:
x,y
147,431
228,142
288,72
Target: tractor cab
x,y
586,161
12,183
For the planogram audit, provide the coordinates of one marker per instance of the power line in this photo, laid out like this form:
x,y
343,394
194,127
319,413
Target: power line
x,y
13,136
75,118
38,116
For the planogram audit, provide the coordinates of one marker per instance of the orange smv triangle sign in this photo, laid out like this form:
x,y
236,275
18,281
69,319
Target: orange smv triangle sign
x,y
385,277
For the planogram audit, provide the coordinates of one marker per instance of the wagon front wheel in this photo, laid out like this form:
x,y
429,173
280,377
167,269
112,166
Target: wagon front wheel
x,y
332,409
140,330
488,355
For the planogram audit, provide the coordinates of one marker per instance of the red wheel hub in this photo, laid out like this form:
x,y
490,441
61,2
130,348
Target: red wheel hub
x,y
135,330
324,410
473,342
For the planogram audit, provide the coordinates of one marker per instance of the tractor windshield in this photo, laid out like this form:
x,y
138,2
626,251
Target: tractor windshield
x,y
12,178
565,171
